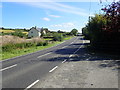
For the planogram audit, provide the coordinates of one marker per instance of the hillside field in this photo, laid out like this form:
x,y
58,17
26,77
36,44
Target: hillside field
x,y
10,31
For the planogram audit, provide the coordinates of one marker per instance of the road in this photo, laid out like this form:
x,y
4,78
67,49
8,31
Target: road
x,y
25,71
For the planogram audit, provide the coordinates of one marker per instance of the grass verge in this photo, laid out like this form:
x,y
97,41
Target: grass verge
x,y
19,52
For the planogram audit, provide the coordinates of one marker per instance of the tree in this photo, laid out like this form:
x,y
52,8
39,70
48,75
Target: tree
x,y
57,37
112,13
93,30
74,32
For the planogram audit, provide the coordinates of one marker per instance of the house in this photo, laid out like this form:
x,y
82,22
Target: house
x,y
36,32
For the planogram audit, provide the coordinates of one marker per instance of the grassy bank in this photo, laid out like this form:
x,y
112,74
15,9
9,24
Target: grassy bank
x,y
19,52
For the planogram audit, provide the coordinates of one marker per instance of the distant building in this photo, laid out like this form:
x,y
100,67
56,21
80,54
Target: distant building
x,y
36,32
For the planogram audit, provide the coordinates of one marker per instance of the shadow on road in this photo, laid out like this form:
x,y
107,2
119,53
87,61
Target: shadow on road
x,y
84,55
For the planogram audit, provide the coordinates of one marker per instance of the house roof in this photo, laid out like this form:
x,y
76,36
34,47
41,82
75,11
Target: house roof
x,y
38,29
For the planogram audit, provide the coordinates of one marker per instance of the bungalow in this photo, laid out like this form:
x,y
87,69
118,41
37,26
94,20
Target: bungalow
x,y
35,32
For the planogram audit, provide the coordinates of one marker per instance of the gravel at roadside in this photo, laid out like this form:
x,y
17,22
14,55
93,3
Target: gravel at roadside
x,y
81,74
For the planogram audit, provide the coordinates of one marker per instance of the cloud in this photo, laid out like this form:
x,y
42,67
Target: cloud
x,y
46,19
64,25
56,16
58,7
56,0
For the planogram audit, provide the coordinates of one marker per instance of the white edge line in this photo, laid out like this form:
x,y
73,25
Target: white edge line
x,y
76,50
32,84
8,67
33,52
64,61
44,55
53,68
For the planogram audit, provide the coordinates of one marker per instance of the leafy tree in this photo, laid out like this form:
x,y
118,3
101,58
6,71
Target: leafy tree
x,y
74,32
93,30
85,32
57,37
112,13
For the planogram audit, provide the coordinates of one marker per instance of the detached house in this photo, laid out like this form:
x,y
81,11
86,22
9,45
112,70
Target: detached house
x,y
35,32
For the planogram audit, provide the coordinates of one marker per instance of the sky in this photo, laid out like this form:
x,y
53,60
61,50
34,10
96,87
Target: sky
x,y
55,16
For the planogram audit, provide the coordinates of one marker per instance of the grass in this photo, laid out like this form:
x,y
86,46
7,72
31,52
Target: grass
x,y
6,31
67,38
48,39
19,52
10,31
25,33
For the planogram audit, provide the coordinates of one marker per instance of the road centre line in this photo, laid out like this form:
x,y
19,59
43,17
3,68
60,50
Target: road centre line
x,y
53,69
70,56
32,84
44,55
64,60
72,42
8,67
64,46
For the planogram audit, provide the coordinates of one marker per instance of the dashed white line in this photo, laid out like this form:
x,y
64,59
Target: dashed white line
x,y
44,55
64,60
64,47
70,56
53,69
8,67
32,84
72,43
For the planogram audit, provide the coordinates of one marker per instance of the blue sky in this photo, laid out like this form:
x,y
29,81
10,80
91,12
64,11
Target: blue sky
x,y
52,15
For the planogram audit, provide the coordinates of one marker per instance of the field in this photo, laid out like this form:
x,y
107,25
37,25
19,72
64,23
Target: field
x,y
13,41
6,31
10,31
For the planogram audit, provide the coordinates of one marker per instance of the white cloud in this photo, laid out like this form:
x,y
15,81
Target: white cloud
x,y
64,25
56,0
56,16
58,7
46,19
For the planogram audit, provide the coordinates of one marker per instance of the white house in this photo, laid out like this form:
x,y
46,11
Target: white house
x,y
35,32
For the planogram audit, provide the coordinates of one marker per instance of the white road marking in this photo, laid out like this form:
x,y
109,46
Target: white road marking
x,y
32,84
53,68
77,49
64,46
72,42
64,60
70,56
8,67
43,55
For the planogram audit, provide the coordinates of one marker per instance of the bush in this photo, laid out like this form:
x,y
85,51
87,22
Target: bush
x,y
57,37
10,43
19,34
11,46
39,44
45,43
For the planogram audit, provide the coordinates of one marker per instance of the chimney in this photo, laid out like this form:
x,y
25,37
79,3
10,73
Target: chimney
x,y
35,27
